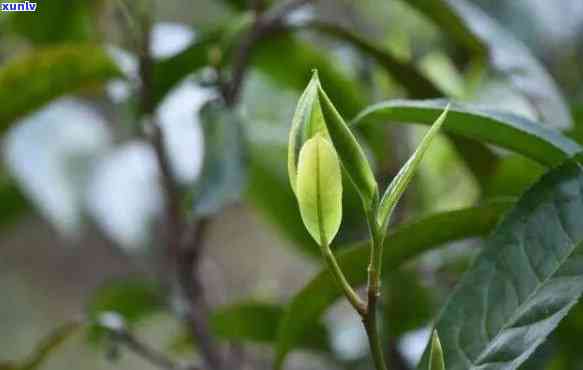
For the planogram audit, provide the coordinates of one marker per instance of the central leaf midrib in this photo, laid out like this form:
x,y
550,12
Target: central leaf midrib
x,y
323,240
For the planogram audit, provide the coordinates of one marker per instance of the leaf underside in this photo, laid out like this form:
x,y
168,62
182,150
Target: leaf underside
x,y
527,278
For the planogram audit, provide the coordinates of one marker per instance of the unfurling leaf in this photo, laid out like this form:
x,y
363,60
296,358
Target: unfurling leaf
x,y
403,178
436,356
350,152
306,122
319,189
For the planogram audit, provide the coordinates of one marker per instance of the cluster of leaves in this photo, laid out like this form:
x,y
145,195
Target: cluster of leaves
x,y
524,282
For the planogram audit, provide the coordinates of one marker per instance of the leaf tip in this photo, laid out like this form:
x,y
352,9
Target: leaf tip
x,y
436,361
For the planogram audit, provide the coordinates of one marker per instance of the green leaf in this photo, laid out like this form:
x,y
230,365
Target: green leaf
x,y
509,131
306,121
524,282
469,24
46,74
350,152
134,299
224,172
436,353
404,243
400,182
48,345
319,189
258,322
477,156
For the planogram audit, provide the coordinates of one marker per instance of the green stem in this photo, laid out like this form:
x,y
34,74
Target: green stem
x,y
374,289
350,294
374,340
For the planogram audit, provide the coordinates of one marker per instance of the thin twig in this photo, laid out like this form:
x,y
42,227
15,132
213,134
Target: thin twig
x,y
174,222
188,265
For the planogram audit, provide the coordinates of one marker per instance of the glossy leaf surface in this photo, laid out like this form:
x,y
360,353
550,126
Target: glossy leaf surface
x,y
505,130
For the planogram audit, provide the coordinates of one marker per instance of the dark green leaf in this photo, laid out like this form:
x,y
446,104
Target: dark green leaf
x,y
404,243
133,299
224,172
43,75
506,130
48,345
525,281
467,22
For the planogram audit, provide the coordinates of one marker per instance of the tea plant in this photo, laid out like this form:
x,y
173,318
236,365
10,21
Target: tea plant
x,y
499,172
